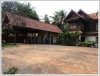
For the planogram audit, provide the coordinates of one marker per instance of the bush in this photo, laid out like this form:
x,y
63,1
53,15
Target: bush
x,y
69,38
12,70
87,43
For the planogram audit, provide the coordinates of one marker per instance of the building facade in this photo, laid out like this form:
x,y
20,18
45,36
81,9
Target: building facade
x,y
27,30
85,23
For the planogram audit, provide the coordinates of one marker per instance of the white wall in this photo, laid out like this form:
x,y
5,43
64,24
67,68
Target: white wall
x,y
90,38
54,39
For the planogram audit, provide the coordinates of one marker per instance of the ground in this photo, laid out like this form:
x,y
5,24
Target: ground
x,y
50,59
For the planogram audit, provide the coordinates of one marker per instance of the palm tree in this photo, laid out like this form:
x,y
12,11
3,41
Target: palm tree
x,y
58,18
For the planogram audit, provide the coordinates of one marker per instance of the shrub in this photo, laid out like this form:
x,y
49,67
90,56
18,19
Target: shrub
x,y
87,43
69,38
12,70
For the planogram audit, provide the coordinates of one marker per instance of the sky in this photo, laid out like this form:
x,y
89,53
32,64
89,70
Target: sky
x,y
49,7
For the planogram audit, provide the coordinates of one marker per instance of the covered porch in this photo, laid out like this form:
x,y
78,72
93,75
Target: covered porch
x,y
26,30
30,35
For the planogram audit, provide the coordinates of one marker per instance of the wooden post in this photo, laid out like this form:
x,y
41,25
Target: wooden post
x,y
15,35
50,38
44,38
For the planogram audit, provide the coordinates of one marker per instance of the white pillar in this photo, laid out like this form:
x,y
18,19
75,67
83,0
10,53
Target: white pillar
x,y
54,39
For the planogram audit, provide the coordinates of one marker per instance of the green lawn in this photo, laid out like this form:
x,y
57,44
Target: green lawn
x,y
8,45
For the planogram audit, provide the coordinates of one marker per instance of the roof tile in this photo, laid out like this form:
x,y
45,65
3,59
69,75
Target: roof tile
x,y
30,23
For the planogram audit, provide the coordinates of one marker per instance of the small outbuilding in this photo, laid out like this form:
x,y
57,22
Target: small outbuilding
x,y
28,30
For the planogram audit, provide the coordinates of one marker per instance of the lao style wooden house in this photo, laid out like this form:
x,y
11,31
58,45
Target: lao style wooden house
x,y
85,23
29,31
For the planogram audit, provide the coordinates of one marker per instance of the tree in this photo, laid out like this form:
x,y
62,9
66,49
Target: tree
x,y
9,7
46,19
27,11
58,18
20,9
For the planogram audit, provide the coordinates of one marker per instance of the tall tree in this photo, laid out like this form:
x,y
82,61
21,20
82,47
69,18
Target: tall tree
x,y
46,19
9,7
26,10
20,8
58,18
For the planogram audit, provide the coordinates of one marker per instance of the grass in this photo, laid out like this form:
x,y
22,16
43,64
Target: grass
x,y
8,45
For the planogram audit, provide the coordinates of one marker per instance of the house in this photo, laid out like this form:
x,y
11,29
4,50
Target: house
x,y
28,30
87,24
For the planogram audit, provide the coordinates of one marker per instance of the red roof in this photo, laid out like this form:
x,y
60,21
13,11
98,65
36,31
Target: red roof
x,y
30,23
93,15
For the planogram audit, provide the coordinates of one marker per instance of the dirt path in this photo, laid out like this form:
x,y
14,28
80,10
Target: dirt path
x,y
52,59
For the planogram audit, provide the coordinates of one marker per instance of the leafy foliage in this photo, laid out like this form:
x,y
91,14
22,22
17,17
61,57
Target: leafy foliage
x,y
46,19
69,38
58,18
12,70
20,9
87,43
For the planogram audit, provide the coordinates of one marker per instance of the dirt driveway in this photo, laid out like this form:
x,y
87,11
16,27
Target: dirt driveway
x,y
50,59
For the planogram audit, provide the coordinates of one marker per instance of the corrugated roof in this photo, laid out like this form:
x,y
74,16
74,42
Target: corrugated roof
x,y
30,23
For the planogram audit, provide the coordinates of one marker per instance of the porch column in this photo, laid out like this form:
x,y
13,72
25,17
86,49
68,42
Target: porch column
x,y
44,38
15,36
54,39
80,37
50,38
79,40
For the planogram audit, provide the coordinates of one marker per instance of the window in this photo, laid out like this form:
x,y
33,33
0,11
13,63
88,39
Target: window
x,y
96,26
72,25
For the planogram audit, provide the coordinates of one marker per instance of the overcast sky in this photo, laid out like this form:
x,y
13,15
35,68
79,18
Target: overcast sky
x,y
49,7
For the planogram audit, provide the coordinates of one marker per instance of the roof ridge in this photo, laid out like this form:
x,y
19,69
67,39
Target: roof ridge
x,y
31,18
32,23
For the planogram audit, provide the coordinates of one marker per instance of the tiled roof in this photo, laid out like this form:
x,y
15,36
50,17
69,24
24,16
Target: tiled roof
x,y
31,23
93,15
